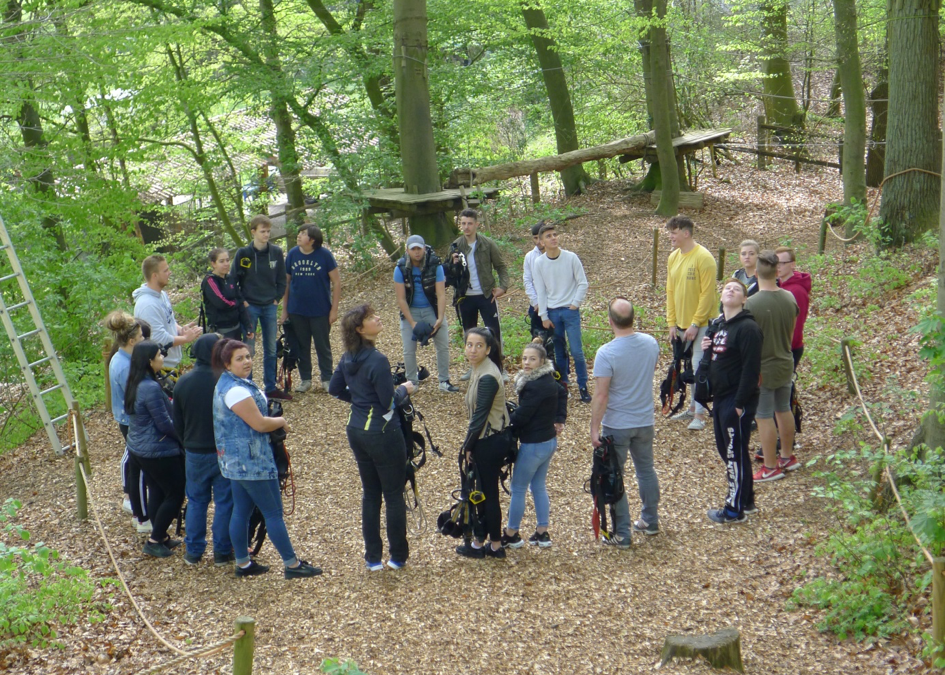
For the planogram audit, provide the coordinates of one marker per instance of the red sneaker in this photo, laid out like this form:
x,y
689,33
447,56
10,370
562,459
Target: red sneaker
x,y
765,474
789,464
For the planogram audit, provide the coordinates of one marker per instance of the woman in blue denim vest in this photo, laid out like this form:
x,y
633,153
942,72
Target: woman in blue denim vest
x,y
364,380
241,429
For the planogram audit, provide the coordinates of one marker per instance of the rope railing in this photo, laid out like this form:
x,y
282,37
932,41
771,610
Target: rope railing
x,y
848,356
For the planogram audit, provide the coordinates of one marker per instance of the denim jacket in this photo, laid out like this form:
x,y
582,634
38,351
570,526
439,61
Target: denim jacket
x,y
243,452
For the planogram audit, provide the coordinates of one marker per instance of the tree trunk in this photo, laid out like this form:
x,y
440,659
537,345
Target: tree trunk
x,y
575,178
910,203
833,110
854,104
289,164
876,157
780,103
417,149
659,62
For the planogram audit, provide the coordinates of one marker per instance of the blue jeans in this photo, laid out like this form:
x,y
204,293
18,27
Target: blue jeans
x,y
531,468
638,443
265,316
567,323
264,494
203,479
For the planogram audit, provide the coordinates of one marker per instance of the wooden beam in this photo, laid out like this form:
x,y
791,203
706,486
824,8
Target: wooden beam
x,y
788,158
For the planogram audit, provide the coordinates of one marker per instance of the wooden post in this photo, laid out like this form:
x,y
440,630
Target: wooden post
x,y
243,648
762,143
822,242
713,160
81,496
656,251
721,272
847,343
938,608
106,351
536,189
81,439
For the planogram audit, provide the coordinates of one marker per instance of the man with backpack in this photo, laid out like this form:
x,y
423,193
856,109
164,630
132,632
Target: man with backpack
x,y
420,286
623,405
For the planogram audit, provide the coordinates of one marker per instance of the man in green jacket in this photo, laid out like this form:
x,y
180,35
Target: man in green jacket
x,y
475,261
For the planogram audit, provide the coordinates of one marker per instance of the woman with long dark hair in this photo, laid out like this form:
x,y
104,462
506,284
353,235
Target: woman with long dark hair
x,y
222,299
154,444
363,379
487,439
241,428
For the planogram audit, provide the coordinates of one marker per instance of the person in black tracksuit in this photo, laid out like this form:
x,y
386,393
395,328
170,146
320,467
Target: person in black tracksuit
x,y
222,300
734,372
363,379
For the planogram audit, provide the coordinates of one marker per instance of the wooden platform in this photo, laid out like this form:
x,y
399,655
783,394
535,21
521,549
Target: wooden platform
x,y
400,204
685,144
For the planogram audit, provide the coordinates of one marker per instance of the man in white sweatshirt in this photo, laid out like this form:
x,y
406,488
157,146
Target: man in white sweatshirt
x,y
561,285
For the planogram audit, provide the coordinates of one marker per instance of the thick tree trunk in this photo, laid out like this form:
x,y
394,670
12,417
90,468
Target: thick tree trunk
x,y
833,110
854,103
662,101
876,157
780,102
575,178
417,148
910,203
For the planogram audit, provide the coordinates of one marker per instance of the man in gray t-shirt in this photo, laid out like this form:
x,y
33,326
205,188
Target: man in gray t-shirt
x,y
623,404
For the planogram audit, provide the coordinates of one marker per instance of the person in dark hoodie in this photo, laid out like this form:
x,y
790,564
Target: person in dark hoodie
x,y
734,370
363,379
798,283
259,271
193,420
222,300
539,418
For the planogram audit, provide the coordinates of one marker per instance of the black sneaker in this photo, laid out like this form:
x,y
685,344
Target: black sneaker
x,y
468,551
542,540
515,541
252,570
223,559
305,569
278,394
192,559
585,395
721,516
759,455
750,510
171,543
156,550
497,553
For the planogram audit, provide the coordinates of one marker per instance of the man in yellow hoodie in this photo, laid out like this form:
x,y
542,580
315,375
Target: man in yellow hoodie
x,y
691,299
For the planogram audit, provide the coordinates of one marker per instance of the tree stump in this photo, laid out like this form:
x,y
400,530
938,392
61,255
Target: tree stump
x,y
722,649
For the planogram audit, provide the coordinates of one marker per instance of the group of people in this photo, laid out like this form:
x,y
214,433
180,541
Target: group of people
x,y
212,442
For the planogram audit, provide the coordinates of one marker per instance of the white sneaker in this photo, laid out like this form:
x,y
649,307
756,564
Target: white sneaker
x,y
683,416
304,386
126,506
142,527
696,424
446,385
325,384
465,376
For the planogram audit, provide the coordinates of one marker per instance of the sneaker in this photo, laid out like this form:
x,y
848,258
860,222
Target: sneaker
x,y
542,540
278,394
446,385
375,567
394,565
304,570
683,416
696,424
192,559
645,528
126,506
171,543
142,527
721,516
497,553
789,464
765,474
468,551
759,455
465,376
304,386
515,541
615,541
750,510
325,384
223,559
585,395
156,550
251,570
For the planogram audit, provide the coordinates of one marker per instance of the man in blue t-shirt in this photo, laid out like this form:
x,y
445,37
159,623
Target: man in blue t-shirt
x,y
420,285
623,406
312,292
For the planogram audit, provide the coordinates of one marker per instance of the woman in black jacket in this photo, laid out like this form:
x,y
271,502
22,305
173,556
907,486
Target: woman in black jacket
x,y
538,419
222,300
363,379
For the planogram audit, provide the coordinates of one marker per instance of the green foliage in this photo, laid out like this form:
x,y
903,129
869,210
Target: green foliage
x,y
878,275
338,667
37,592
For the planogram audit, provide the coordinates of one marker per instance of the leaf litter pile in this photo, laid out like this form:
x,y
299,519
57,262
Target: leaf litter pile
x,y
575,607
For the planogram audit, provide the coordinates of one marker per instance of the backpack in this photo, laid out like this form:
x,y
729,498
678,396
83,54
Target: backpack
x,y
702,388
605,485
796,409
460,520
287,349
680,372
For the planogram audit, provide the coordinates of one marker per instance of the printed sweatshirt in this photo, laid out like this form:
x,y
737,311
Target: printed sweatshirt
x,y
735,366
260,275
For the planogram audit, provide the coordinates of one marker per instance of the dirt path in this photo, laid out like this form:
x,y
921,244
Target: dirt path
x,y
576,607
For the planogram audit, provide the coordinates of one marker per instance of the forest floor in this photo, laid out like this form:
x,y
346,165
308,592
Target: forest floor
x,y
577,607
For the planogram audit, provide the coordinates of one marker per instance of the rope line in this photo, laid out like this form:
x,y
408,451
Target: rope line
x,y
210,650
885,441
893,175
